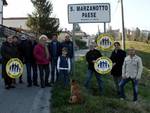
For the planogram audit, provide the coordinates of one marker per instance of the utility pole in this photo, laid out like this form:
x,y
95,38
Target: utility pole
x,y
1,12
123,29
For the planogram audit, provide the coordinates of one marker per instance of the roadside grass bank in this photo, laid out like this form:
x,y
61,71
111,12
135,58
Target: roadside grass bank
x,y
109,102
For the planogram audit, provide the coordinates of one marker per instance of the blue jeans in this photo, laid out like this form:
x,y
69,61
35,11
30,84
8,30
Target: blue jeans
x,y
64,76
31,67
98,77
135,88
117,80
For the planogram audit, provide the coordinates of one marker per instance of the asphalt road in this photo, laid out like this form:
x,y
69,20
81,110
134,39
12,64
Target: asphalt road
x,y
27,100
80,53
23,99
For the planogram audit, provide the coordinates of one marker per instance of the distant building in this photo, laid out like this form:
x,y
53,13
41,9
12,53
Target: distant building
x,y
80,35
145,33
116,34
17,22
83,36
61,36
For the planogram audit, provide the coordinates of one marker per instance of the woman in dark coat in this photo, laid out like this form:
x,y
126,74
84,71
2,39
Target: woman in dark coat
x,y
117,58
8,51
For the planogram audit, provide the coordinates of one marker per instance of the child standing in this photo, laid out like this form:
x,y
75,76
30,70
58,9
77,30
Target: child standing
x,y
63,66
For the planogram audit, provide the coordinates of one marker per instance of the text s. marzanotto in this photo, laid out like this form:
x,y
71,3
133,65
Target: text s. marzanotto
x,y
88,11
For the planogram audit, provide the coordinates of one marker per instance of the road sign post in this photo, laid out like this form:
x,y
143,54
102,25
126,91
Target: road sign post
x,y
73,39
88,13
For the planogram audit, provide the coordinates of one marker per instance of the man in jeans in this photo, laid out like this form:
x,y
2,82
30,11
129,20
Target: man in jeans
x,y
55,51
27,46
131,71
91,56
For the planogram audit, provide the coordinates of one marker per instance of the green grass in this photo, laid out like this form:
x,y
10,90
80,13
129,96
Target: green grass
x,y
109,102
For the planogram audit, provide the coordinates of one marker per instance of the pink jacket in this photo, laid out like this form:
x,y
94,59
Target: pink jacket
x,y
40,55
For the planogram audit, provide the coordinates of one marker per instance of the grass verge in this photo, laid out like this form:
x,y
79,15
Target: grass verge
x,y
109,102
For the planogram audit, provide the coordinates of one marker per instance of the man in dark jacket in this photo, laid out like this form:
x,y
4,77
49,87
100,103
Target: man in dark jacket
x,y
117,58
55,51
19,53
91,56
67,43
8,51
27,46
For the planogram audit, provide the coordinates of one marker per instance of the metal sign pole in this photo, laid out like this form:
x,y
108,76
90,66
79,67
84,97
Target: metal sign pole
x,y
104,27
105,53
73,39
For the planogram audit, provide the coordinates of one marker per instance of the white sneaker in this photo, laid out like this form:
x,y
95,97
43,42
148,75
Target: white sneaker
x,y
135,102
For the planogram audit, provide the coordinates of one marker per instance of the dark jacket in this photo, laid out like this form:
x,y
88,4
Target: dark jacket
x,y
69,46
117,58
27,50
54,50
8,51
19,51
90,56
40,55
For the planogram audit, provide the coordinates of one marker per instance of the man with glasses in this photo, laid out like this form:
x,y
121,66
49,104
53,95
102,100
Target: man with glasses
x,y
117,57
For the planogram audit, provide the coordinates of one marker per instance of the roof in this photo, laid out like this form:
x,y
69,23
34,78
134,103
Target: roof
x,y
16,18
20,18
5,2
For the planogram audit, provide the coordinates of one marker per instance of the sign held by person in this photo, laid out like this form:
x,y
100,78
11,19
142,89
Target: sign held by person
x,y
103,65
14,68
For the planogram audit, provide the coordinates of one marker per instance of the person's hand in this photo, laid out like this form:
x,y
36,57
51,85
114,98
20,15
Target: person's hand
x,y
114,64
137,78
68,71
94,61
124,77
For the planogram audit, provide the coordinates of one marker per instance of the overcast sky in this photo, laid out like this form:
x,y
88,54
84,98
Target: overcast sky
x,y
136,13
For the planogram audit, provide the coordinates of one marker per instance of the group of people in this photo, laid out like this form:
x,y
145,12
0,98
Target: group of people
x,y
38,54
124,69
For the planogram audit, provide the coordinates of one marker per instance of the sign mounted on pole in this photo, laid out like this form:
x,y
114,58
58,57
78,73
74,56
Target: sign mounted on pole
x,y
89,13
103,65
105,42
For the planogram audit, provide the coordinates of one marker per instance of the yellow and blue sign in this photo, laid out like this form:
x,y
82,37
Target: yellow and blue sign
x,y
105,42
103,65
14,68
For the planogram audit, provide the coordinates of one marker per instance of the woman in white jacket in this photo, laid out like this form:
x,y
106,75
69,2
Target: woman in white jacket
x,y
131,71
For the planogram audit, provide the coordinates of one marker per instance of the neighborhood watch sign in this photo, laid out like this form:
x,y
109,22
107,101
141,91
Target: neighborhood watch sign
x,y
89,13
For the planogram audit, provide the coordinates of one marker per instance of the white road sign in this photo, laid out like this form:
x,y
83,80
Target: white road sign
x,y
89,13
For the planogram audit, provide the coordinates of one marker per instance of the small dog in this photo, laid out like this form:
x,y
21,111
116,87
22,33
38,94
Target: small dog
x,y
75,97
